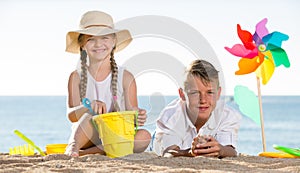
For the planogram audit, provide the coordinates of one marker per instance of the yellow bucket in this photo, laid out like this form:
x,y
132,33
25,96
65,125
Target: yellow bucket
x,y
56,148
116,130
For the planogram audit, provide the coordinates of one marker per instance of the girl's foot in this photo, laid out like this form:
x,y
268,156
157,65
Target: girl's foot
x,y
71,150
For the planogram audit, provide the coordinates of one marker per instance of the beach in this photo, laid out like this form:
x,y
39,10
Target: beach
x,y
44,129
144,162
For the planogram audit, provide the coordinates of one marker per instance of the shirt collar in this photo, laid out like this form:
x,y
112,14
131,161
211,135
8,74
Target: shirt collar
x,y
213,119
190,124
212,122
215,116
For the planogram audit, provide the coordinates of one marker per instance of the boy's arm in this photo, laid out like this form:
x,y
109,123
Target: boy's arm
x,y
167,142
175,151
171,132
227,151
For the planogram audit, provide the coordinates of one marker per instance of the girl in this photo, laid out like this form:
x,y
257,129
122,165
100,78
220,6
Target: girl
x,y
109,86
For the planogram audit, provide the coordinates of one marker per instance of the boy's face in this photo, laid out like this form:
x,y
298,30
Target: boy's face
x,y
201,98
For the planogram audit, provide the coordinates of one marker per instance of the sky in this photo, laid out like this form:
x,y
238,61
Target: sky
x,y
34,61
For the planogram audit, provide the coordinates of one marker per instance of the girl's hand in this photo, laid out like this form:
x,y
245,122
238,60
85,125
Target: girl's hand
x,y
98,107
141,117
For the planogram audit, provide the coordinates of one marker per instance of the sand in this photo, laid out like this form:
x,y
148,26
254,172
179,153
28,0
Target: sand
x,y
144,162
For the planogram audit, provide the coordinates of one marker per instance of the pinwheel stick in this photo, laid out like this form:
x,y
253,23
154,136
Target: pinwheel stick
x,y
261,115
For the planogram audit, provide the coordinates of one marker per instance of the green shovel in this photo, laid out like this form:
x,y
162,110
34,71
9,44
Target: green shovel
x,y
30,142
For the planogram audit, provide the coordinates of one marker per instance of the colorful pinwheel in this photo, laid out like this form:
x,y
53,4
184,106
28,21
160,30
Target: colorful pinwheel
x,y
260,52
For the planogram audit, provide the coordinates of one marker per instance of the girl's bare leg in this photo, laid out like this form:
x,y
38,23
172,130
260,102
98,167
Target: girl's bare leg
x,y
84,135
96,149
141,141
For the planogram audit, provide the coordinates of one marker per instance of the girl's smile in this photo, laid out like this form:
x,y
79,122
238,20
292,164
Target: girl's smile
x,y
99,47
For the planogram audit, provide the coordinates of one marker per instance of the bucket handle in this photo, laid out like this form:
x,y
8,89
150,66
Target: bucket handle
x,y
136,122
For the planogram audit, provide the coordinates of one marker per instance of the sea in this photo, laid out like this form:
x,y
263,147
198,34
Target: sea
x,y
43,120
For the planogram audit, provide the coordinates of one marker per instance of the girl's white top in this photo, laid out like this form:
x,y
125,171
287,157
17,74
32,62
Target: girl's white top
x,y
102,90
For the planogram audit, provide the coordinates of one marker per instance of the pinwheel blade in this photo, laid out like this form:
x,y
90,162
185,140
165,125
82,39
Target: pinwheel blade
x,y
266,70
246,37
279,56
248,102
275,38
261,29
240,51
249,65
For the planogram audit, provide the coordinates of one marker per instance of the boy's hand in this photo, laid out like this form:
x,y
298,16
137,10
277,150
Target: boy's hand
x,y
206,146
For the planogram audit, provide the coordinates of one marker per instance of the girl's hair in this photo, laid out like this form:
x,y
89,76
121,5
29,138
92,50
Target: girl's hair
x,y
83,78
114,80
204,70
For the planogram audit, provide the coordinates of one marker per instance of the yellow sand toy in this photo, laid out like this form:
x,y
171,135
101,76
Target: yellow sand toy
x,y
285,152
26,150
56,148
276,155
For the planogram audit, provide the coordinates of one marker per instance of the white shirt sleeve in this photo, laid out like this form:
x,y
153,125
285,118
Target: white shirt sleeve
x,y
164,138
165,134
173,128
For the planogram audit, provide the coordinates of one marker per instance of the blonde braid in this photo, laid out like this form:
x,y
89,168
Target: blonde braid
x,y
83,78
114,80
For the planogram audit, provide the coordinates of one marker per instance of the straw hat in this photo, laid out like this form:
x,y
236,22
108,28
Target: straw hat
x,y
97,23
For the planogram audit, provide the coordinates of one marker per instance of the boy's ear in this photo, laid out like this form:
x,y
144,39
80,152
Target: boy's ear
x,y
181,94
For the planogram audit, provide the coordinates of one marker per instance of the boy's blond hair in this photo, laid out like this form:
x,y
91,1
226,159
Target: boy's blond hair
x,y
204,70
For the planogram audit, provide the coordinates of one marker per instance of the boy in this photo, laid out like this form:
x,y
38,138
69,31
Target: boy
x,y
195,124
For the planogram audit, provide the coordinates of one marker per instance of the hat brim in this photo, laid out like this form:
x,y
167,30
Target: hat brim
x,y
123,37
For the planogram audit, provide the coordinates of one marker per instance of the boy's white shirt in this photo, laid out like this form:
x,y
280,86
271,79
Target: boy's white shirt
x,y
173,127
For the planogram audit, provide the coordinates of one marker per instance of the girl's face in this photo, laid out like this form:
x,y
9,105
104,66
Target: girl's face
x,y
99,47
201,99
